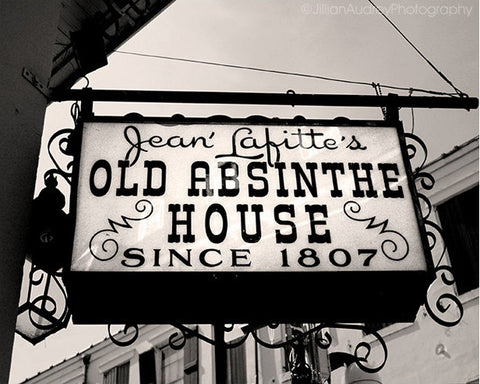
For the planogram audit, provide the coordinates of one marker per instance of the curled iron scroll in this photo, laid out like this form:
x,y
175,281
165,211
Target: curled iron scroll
x,y
320,336
121,341
441,303
59,154
445,308
177,340
416,150
360,359
48,310
324,340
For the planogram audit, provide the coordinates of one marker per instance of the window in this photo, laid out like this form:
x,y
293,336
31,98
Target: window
x,y
147,368
236,365
117,375
172,366
459,220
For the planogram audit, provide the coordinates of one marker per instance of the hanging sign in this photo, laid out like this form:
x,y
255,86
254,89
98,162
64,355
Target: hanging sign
x,y
230,204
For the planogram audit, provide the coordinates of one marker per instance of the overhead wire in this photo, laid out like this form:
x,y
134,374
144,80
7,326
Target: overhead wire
x,y
448,81
376,86
287,73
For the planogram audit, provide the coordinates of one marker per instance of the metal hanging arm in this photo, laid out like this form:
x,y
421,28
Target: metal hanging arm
x,y
204,97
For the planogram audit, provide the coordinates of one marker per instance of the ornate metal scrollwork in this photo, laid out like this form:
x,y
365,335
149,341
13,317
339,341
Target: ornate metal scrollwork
x,y
45,310
446,304
296,342
324,340
60,143
48,314
123,341
441,303
177,340
301,370
362,360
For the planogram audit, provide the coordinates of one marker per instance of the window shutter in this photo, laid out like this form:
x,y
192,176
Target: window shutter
x,y
321,362
237,365
459,220
118,375
110,377
123,374
190,360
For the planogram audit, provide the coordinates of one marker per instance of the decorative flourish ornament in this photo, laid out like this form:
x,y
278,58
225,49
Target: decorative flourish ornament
x,y
394,246
103,244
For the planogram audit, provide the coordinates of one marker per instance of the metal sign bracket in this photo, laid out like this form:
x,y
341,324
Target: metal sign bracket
x,y
36,82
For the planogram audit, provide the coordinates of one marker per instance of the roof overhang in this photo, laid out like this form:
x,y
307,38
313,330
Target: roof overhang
x,y
89,30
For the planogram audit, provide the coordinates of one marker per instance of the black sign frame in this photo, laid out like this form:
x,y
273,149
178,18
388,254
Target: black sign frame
x,y
248,297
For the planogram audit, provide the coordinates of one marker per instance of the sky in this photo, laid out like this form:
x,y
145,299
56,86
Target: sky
x,y
336,39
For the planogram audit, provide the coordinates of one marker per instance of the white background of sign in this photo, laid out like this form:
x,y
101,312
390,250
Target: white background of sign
x,y
107,141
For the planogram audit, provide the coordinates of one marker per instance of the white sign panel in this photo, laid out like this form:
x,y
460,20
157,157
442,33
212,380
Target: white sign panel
x,y
240,197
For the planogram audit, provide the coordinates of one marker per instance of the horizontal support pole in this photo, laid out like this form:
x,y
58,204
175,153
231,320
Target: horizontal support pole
x,y
196,97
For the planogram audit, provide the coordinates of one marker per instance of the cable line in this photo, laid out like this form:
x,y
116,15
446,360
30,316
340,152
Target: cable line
x,y
288,73
460,93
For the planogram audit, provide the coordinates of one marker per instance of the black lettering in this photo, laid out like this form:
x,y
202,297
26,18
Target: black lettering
x,y
333,168
216,208
255,237
314,237
224,191
156,255
100,191
340,262
253,192
179,256
122,190
159,190
280,237
203,258
193,191
392,193
240,254
174,237
281,191
367,167
308,254
300,175
133,254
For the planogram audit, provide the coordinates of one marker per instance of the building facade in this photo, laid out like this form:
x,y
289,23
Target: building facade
x,y
43,51
418,353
